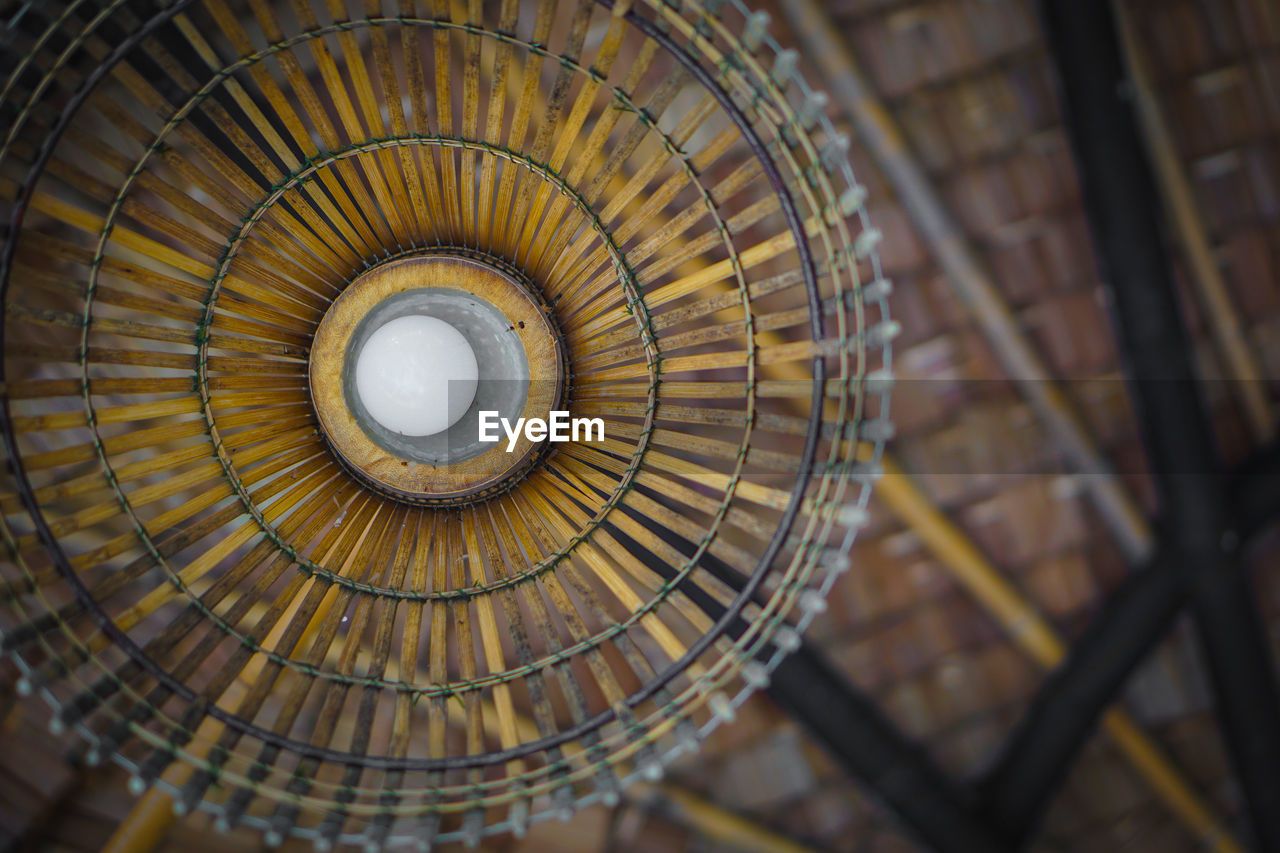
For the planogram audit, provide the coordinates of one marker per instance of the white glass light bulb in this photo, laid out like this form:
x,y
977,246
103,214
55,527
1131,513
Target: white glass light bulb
x,y
416,375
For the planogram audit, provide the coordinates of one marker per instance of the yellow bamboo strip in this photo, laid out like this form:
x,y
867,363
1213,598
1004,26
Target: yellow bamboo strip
x,y
489,633
181,514
460,613
418,214
470,113
635,187
438,647
529,81
351,227
604,571
567,131
412,44
536,539
307,303
225,167
551,121
1229,334
497,530
763,251
702,815
112,584
444,122
1033,634
393,178
354,208
507,18
324,248
642,574
412,633
336,89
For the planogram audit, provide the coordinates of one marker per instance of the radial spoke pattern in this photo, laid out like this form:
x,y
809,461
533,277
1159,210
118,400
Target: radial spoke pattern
x,y
195,582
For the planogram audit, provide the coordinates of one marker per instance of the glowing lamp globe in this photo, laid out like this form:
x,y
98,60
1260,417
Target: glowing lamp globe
x,y
416,375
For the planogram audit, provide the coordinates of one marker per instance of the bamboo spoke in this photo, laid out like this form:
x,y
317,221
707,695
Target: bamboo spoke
x,y
242,606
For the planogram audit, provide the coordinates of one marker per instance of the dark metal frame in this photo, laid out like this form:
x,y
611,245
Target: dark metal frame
x,y
1198,534
848,723
1136,616
1205,519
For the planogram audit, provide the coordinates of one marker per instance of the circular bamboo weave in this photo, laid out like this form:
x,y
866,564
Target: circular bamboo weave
x,y
203,592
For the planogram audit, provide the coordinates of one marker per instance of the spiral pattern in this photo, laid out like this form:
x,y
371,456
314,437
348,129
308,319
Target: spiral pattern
x,y
209,597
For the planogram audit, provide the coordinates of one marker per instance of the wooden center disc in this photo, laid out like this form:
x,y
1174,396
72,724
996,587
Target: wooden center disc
x,y
398,474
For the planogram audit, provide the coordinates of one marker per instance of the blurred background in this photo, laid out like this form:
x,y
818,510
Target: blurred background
x,y
992,553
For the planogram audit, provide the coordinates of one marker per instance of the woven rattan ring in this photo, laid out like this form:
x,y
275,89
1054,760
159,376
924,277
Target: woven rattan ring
x,y
223,578
492,305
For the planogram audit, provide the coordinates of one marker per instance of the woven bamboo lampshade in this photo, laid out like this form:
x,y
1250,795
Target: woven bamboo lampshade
x,y
222,578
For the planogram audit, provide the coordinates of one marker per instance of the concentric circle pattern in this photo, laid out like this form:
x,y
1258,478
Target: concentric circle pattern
x,y
524,371
210,598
